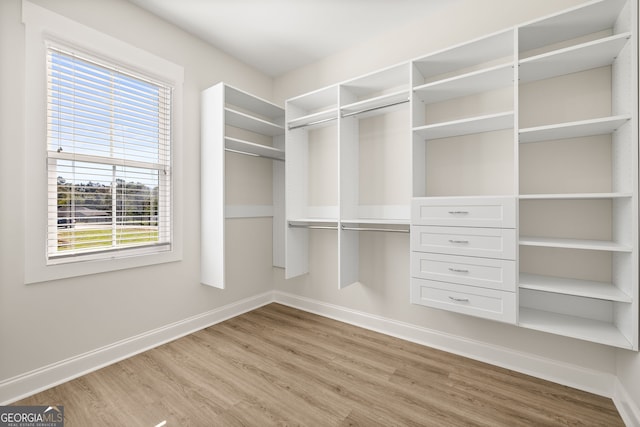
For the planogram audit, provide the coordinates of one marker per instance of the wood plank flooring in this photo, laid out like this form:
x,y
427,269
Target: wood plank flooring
x,y
281,366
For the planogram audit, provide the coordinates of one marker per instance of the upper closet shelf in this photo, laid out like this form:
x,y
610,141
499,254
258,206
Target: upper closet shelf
x,y
379,104
585,56
251,123
468,126
252,149
600,126
467,84
597,16
597,245
314,119
581,288
252,103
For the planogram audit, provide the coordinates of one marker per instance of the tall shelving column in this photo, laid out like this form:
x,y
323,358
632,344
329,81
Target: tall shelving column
x,y
579,173
311,193
374,161
237,122
463,239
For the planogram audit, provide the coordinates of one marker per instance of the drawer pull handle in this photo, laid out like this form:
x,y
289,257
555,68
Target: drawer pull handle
x,y
458,212
458,270
459,299
458,241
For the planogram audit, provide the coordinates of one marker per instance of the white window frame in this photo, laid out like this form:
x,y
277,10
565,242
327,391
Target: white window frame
x,y
42,27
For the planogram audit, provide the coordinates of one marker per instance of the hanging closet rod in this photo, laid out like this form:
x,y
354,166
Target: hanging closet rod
x,y
366,110
314,227
246,153
390,230
317,122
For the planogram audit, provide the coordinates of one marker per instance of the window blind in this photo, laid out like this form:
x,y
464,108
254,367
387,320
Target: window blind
x,y
108,159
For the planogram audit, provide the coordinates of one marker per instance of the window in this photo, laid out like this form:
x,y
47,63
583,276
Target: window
x,y
108,159
104,186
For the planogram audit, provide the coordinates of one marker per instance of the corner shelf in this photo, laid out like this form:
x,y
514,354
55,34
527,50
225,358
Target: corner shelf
x,y
582,288
573,326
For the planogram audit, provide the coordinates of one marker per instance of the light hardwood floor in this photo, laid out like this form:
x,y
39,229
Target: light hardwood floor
x,y
281,366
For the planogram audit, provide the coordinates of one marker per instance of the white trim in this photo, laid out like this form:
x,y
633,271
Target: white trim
x,y
588,380
42,25
38,380
628,409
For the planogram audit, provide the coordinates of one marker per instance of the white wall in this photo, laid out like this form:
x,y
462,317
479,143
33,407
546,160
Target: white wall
x,y
384,259
44,323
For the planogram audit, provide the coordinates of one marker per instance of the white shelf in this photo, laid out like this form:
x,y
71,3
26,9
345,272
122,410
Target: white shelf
x,y
466,84
254,124
582,128
396,76
314,120
585,56
252,149
377,105
468,126
252,103
575,196
572,326
483,50
581,288
581,20
596,245
380,221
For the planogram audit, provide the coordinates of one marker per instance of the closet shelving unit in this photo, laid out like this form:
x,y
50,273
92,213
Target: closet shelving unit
x,y
478,77
561,300
374,119
551,108
312,138
234,121
358,128
463,251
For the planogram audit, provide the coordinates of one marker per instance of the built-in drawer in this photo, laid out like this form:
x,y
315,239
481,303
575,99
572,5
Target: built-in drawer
x,y
497,212
479,242
472,271
480,302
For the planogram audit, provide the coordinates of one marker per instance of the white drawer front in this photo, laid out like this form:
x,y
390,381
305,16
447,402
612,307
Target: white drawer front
x,y
479,242
480,302
497,212
482,272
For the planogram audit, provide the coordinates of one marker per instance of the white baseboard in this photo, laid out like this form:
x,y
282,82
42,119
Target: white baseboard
x,y
30,383
628,409
592,381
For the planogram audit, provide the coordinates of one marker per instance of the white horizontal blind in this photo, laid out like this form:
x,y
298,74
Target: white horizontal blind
x,y
108,159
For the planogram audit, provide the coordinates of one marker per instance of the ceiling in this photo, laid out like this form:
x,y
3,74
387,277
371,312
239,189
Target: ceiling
x,y
276,36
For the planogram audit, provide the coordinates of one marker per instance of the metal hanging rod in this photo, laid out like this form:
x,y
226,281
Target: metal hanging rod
x,y
354,113
246,153
314,227
317,122
390,230
366,110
